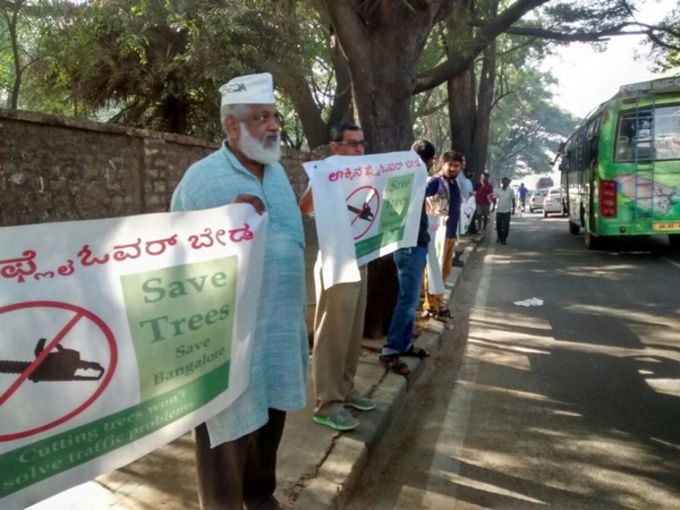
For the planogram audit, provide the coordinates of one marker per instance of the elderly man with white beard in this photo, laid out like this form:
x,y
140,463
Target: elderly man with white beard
x,y
236,450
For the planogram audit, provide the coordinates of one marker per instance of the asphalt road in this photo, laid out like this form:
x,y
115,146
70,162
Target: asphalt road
x,y
573,404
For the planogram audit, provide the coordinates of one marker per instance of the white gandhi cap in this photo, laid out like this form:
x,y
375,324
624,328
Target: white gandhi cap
x,y
250,89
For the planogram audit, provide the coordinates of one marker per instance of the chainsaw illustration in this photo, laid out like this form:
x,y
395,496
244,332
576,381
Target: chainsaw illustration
x,y
57,366
364,213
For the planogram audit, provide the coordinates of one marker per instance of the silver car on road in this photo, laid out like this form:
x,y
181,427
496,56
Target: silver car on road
x,y
536,200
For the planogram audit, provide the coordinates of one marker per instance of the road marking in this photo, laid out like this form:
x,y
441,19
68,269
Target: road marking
x,y
671,262
450,444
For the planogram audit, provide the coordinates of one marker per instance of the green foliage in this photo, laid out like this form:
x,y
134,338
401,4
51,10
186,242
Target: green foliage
x,y
581,16
665,54
159,64
6,74
526,125
15,43
431,119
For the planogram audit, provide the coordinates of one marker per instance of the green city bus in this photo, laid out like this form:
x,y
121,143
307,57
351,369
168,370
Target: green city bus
x,y
621,168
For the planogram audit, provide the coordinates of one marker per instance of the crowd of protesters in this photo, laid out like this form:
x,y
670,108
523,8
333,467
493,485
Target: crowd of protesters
x,y
236,450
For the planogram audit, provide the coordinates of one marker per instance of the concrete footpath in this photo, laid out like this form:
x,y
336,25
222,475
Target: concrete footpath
x,y
318,467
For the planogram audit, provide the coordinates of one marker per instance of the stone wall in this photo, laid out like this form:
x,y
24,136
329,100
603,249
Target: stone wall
x,y
58,168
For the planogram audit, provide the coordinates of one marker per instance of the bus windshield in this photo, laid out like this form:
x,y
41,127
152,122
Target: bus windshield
x,y
665,125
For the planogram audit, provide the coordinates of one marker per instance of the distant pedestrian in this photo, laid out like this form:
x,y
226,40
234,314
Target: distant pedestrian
x,y
484,193
522,191
504,198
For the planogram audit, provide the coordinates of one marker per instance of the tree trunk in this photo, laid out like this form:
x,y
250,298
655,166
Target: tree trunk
x,y
382,97
486,96
14,39
74,91
16,87
461,89
463,113
462,59
435,133
382,43
342,101
294,84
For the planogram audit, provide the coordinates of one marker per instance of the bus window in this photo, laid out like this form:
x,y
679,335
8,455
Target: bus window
x,y
598,124
666,129
591,128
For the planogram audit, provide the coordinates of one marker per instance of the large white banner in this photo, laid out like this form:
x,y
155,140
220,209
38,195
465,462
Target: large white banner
x,y
118,336
365,207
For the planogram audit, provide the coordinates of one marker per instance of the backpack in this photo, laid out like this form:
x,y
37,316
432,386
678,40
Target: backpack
x,y
438,205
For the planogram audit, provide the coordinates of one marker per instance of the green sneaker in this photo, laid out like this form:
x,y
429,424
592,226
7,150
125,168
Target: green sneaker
x,y
362,404
341,421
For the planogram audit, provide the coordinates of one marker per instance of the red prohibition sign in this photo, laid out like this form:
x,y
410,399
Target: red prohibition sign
x,y
376,195
79,314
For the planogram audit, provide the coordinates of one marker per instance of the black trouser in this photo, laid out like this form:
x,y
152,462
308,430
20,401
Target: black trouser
x,y
473,224
240,472
503,225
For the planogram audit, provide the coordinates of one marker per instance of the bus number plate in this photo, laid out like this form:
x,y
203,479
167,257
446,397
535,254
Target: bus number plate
x,y
663,227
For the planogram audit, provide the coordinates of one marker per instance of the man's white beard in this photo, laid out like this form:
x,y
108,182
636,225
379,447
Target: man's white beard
x,y
256,150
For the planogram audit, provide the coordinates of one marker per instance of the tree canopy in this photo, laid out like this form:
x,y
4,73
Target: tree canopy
x,y
158,64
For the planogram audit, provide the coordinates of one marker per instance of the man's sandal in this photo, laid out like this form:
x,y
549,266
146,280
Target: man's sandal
x,y
444,315
416,352
393,363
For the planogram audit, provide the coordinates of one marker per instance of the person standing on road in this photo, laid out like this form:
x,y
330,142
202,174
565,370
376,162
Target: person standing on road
x,y
236,449
339,320
484,193
411,263
504,198
450,165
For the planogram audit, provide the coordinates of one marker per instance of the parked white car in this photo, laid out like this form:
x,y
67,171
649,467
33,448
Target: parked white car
x,y
552,202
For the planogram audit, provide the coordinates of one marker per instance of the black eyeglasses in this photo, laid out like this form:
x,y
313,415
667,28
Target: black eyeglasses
x,y
354,143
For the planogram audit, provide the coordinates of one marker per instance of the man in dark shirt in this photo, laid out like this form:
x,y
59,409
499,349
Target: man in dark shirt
x,y
410,264
450,164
